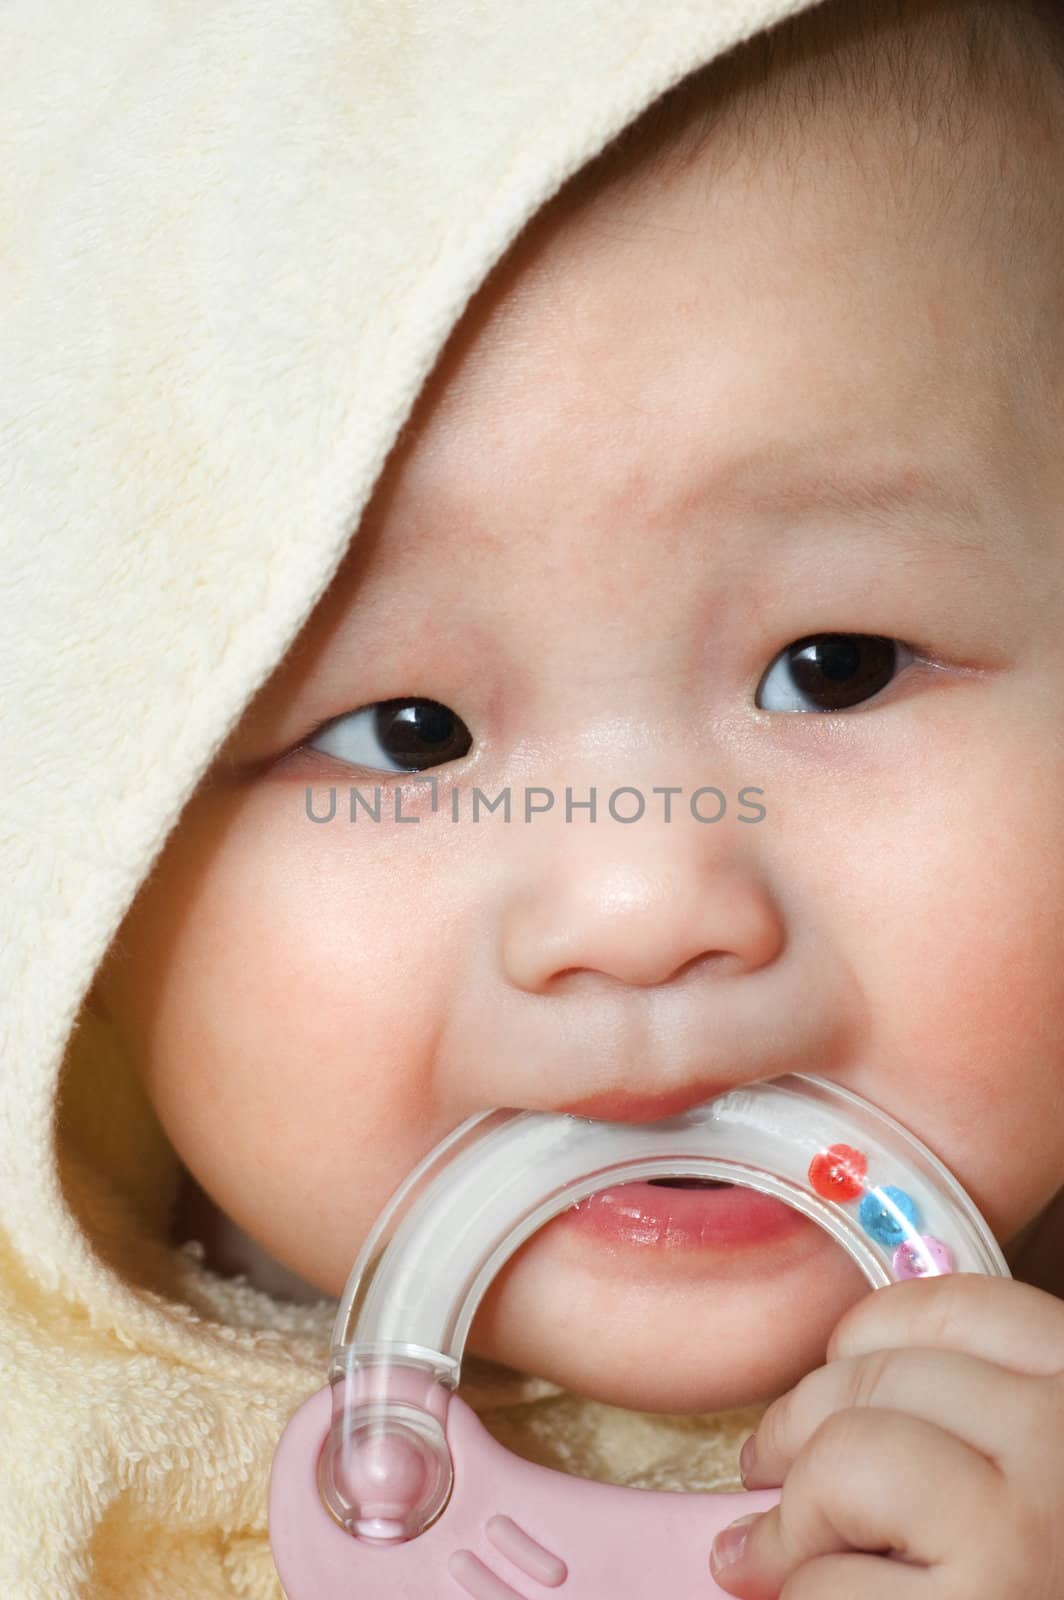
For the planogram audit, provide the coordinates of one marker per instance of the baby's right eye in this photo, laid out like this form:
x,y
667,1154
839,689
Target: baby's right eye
x,y
415,733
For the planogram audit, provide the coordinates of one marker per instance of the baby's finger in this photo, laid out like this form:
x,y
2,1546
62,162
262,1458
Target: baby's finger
x,y
855,1487
1000,1319
852,1576
990,1409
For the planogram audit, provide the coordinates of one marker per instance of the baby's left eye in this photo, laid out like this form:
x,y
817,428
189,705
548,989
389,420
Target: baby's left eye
x,y
836,670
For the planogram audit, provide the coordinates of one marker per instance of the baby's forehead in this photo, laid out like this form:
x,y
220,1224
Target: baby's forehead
x,y
662,444
952,227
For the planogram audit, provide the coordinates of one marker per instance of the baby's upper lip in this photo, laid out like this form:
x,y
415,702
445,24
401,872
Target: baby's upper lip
x,y
622,1105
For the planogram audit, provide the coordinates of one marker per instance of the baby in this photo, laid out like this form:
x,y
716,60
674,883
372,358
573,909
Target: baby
x,y
743,474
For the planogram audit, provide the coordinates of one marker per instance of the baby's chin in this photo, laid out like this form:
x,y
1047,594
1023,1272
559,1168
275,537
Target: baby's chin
x,y
666,1337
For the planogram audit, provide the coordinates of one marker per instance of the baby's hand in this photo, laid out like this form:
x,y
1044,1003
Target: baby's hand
x,y
934,1436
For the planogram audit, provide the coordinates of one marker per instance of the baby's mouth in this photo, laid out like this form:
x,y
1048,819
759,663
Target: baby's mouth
x,y
689,1183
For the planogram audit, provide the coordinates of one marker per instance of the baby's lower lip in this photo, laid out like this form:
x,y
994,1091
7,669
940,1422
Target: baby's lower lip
x,y
655,1217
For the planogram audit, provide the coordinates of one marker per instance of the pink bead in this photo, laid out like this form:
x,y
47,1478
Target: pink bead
x,y
922,1257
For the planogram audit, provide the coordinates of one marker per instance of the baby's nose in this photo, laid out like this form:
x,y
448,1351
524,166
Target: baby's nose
x,y
643,916
652,971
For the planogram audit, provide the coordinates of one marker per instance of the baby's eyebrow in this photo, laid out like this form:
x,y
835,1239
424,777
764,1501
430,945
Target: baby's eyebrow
x,y
900,497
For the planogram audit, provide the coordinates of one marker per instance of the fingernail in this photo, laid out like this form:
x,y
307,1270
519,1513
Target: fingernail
x,y
730,1543
747,1454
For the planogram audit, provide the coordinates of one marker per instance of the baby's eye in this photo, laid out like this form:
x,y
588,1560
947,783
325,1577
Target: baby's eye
x,y
414,733
834,670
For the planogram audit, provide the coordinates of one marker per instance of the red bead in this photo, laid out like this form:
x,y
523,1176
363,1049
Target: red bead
x,y
837,1173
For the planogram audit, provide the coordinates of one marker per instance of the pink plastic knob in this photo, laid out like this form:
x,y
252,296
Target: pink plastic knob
x,y
385,1475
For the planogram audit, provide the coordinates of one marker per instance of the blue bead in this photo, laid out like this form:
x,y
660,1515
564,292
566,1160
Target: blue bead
x,y
881,1221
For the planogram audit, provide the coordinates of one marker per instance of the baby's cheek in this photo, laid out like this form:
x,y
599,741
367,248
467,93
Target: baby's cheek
x,y
295,994
978,988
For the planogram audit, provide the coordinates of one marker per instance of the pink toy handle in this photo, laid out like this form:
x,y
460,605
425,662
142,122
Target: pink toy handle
x,y
512,1529
386,1484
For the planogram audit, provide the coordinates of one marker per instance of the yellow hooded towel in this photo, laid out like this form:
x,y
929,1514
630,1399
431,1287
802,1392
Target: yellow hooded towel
x,y
234,241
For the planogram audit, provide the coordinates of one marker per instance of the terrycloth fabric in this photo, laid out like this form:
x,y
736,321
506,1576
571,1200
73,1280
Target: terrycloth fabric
x,y
234,238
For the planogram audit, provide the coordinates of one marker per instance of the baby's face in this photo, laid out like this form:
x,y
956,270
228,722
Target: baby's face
x,y
685,428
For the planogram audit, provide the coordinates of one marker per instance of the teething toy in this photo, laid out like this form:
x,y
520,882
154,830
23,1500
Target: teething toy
x,y
387,1486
